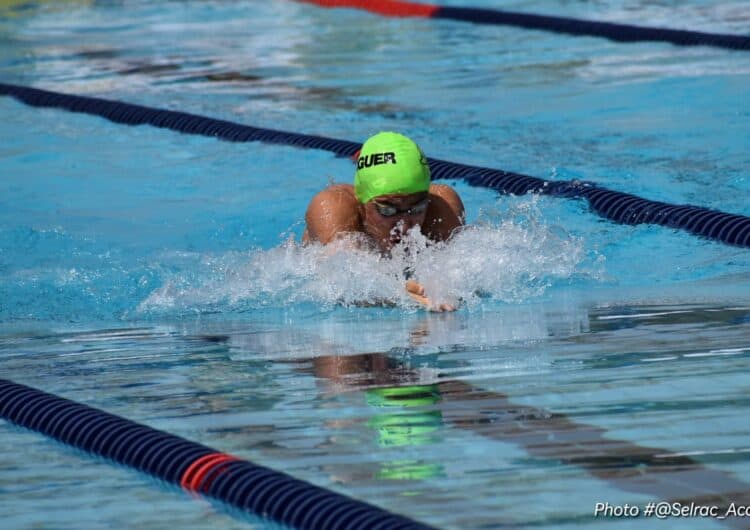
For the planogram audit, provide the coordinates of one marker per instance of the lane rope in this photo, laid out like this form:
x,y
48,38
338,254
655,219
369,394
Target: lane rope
x,y
571,26
616,206
195,467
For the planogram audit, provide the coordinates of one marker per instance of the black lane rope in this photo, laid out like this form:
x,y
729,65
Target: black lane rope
x,y
199,469
613,205
567,25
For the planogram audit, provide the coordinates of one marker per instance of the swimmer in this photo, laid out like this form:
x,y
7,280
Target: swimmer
x,y
392,194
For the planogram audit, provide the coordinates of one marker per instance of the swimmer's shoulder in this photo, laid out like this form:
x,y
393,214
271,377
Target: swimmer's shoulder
x,y
445,196
332,212
342,191
445,213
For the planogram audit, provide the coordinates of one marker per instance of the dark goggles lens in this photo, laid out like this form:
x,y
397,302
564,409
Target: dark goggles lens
x,y
388,210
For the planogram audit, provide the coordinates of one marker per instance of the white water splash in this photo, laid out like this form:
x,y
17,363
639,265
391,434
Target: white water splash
x,y
510,260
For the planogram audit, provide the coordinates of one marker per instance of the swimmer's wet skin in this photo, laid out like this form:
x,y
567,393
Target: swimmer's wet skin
x,y
391,195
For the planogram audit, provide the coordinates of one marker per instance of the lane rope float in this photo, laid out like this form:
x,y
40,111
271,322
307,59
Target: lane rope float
x,y
196,468
616,206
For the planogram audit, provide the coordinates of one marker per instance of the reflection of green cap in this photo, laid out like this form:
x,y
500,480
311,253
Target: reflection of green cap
x,y
410,470
406,423
407,426
403,396
390,163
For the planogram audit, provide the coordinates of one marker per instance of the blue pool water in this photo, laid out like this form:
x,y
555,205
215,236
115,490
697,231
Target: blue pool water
x,y
158,275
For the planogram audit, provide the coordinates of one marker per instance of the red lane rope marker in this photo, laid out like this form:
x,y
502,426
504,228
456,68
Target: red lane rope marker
x,y
390,8
193,476
216,468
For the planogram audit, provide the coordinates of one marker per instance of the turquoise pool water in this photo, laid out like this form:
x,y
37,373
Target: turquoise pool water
x,y
156,275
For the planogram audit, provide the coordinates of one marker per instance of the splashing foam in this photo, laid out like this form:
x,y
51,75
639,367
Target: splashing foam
x,y
509,260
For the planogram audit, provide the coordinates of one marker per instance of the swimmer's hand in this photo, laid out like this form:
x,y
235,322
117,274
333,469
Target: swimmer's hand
x,y
416,291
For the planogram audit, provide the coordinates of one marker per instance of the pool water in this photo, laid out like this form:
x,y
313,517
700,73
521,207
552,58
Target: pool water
x,y
159,276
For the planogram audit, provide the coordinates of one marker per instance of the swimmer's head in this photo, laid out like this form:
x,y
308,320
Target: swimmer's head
x,y
390,164
392,185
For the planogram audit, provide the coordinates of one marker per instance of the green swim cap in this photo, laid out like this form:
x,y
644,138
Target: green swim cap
x,y
390,163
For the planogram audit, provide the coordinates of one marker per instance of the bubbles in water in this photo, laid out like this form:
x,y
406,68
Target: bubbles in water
x,y
509,260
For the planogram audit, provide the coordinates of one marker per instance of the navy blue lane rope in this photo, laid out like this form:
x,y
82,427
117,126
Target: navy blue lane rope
x,y
592,28
571,26
239,483
613,205
130,114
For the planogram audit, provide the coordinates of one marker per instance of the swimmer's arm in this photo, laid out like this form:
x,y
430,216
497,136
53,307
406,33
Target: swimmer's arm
x,y
417,293
445,215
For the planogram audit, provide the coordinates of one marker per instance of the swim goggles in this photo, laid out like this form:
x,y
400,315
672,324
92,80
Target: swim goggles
x,y
388,210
